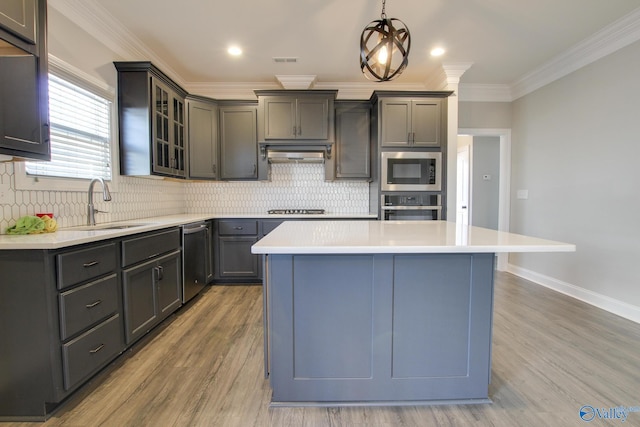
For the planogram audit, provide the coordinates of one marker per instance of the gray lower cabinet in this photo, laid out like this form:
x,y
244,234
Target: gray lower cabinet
x,y
234,238
151,281
238,142
353,140
65,314
24,99
61,322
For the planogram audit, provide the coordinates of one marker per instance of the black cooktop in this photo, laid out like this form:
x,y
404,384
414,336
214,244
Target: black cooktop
x,y
296,211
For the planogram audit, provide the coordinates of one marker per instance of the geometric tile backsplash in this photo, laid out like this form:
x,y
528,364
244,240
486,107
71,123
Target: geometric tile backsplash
x,y
291,186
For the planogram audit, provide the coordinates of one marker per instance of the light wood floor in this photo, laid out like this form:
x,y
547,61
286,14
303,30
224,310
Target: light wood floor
x,y
551,355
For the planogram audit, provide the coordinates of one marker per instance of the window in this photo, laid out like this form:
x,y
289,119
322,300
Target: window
x,y
80,127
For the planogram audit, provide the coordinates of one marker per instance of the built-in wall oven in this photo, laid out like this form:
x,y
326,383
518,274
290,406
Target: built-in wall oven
x,y
411,171
411,207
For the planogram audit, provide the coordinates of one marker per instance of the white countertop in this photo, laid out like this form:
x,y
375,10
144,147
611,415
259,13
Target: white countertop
x,y
357,237
71,236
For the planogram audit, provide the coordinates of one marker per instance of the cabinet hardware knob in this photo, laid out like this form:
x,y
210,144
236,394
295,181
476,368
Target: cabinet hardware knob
x,y
93,304
90,264
97,349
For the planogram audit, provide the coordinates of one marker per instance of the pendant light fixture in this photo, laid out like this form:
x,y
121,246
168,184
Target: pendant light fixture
x,y
384,48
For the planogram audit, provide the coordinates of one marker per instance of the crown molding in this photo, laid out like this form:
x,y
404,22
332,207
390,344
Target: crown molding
x,y
99,23
300,82
611,38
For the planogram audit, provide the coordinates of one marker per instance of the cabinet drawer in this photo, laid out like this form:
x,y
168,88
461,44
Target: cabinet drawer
x,y
92,350
88,304
237,227
86,264
148,246
268,225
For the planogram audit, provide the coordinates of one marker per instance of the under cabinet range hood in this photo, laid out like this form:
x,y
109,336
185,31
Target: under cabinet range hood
x,y
298,153
297,156
278,152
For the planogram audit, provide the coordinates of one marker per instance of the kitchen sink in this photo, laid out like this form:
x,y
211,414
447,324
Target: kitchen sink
x,y
109,226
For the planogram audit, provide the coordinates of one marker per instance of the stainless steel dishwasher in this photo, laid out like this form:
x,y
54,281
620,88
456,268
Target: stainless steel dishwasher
x,y
195,256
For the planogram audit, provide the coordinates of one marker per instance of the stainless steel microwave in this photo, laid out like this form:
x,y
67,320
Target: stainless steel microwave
x,y
411,171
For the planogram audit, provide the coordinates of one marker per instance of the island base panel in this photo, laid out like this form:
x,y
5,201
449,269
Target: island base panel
x,y
360,329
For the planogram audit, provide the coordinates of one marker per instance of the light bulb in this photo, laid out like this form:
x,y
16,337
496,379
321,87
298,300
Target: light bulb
x,y
383,55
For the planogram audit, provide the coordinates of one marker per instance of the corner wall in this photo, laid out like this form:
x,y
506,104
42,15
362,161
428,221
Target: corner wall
x,y
576,150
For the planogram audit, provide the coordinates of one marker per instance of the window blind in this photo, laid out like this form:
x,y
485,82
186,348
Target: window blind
x,y
80,127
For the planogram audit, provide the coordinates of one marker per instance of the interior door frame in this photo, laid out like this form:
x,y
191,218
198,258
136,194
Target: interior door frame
x,y
504,198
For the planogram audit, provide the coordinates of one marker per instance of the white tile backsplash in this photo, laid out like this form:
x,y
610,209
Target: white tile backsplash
x,y
291,186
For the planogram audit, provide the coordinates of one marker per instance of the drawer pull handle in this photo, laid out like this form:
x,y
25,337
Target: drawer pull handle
x,y
93,304
97,349
237,228
90,264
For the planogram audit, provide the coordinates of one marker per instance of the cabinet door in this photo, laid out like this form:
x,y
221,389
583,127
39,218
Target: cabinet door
x,y
162,149
203,139
353,142
236,259
178,158
396,123
280,118
140,305
19,17
168,277
238,142
425,122
312,118
22,128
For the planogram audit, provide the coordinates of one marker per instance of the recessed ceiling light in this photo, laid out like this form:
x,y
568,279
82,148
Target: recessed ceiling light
x,y
234,51
437,51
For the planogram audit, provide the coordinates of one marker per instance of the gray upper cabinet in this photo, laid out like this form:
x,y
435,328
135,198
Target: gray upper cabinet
x,y
202,130
24,104
238,144
353,141
151,110
296,115
19,17
411,122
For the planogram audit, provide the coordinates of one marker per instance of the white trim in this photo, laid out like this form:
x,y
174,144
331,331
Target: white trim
x,y
79,77
504,198
612,305
611,38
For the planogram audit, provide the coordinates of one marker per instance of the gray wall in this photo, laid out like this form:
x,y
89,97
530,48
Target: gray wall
x,y
485,192
484,115
576,149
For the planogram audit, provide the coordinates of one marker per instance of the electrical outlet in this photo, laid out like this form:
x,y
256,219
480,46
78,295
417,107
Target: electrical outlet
x,y
522,194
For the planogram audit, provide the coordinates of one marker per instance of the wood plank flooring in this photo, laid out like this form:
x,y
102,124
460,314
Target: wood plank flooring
x,y
551,355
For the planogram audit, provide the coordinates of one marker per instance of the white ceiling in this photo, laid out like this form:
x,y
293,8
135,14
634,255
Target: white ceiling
x,y
504,40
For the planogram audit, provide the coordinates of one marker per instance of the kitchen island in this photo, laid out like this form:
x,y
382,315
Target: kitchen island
x,y
382,312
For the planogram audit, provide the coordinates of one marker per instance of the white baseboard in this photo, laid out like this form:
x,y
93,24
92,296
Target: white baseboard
x,y
612,305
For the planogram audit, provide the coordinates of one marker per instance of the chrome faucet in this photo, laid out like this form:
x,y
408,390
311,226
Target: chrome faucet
x,y
106,196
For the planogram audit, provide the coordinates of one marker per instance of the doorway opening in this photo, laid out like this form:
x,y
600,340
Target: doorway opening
x,y
504,181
